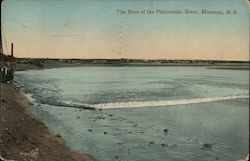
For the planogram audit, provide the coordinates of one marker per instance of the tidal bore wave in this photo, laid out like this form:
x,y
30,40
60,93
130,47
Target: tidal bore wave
x,y
137,104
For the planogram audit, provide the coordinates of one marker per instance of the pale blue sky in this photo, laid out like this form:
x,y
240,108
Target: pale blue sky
x,y
93,29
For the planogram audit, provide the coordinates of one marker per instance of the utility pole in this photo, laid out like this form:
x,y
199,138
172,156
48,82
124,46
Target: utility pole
x,y
1,76
1,46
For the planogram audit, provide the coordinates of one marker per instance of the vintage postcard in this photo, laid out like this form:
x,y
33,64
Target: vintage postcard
x,y
124,80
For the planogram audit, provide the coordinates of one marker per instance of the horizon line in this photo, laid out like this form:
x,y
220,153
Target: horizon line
x,y
219,60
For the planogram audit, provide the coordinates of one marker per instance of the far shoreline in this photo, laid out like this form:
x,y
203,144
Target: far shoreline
x,y
50,65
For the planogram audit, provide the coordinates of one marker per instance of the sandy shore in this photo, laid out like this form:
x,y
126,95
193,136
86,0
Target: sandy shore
x,y
25,138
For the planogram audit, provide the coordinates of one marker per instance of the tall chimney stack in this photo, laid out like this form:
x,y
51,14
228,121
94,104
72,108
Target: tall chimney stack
x,y
12,50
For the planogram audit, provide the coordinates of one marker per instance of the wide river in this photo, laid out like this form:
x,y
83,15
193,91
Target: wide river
x,y
144,113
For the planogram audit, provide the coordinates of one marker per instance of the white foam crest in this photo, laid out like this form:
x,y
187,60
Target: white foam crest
x,y
71,103
162,102
29,96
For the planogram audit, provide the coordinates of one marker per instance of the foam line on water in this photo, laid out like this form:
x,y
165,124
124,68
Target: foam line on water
x,y
118,105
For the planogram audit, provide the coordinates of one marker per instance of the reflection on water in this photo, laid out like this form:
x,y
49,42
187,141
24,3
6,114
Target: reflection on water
x,y
204,131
